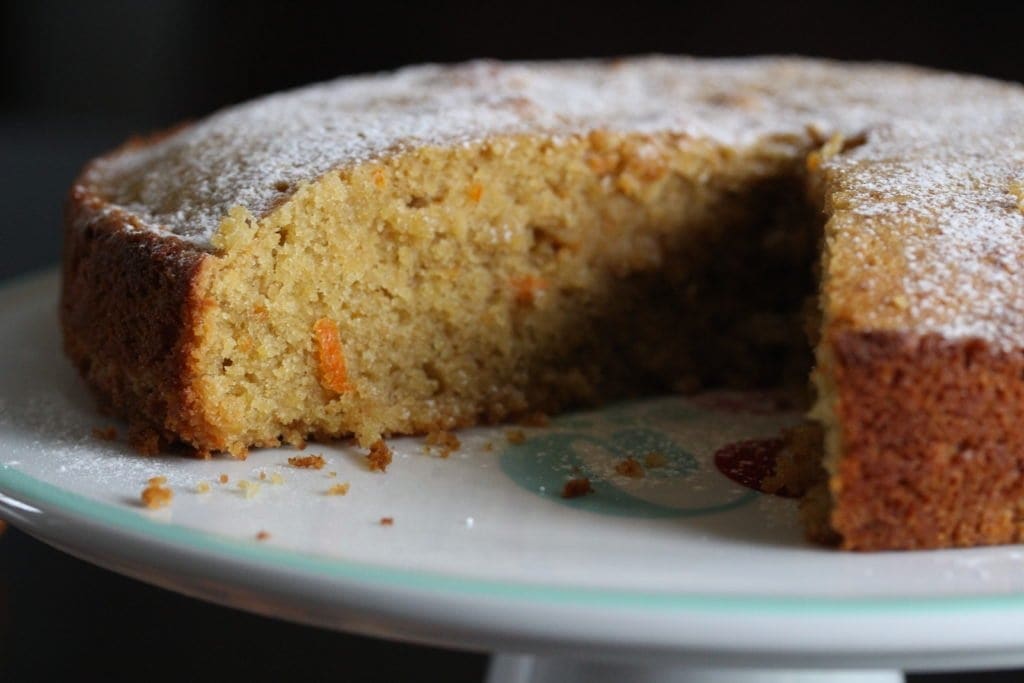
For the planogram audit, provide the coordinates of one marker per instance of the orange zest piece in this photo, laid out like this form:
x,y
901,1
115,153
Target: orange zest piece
x,y
528,288
475,192
330,357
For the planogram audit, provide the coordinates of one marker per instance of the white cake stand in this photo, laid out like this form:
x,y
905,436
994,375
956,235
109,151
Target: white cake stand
x,y
680,576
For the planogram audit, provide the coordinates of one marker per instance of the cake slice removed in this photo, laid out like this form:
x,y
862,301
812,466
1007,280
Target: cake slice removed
x,y
443,246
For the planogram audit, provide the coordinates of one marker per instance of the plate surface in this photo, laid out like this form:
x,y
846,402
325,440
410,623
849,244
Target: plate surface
x,y
484,552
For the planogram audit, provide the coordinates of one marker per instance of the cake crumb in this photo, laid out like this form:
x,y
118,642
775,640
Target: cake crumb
x,y
379,456
307,462
104,433
263,475
654,459
156,495
574,488
262,535
488,446
387,521
515,436
332,474
223,478
630,468
448,442
249,488
157,481
339,489
203,487
276,479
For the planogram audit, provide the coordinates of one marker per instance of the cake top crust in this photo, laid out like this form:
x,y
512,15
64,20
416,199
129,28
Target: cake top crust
x,y
936,192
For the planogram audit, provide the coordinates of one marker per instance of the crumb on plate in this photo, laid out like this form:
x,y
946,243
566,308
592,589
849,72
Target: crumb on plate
x,y
630,468
307,462
446,440
249,488
379,457
156,495
576,487
339,489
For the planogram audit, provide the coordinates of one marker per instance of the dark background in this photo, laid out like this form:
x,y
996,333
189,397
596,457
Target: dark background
x,y
78,77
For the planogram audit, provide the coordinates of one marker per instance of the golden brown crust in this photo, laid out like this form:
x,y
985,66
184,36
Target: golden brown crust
x,y
933,444
129,303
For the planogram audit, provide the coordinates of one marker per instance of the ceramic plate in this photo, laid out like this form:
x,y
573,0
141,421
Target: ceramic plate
x,y
482,549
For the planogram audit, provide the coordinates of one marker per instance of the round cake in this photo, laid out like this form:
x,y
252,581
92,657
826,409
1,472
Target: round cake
x,y
445,245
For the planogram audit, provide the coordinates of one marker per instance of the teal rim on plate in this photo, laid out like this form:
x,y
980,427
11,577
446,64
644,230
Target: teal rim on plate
x,y
26,490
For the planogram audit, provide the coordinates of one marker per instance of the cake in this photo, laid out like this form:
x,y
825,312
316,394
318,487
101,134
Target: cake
x,y
441,246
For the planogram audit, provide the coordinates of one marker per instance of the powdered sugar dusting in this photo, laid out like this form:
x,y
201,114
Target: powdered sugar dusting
x,y
942,150
939,197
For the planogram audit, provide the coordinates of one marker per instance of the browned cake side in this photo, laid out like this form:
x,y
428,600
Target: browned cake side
x,y
933,442
129,305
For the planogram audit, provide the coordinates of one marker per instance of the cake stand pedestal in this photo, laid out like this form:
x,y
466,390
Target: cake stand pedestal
x,y
505,668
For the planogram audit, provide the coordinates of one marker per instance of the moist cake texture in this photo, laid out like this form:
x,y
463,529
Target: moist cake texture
x,y
444,245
